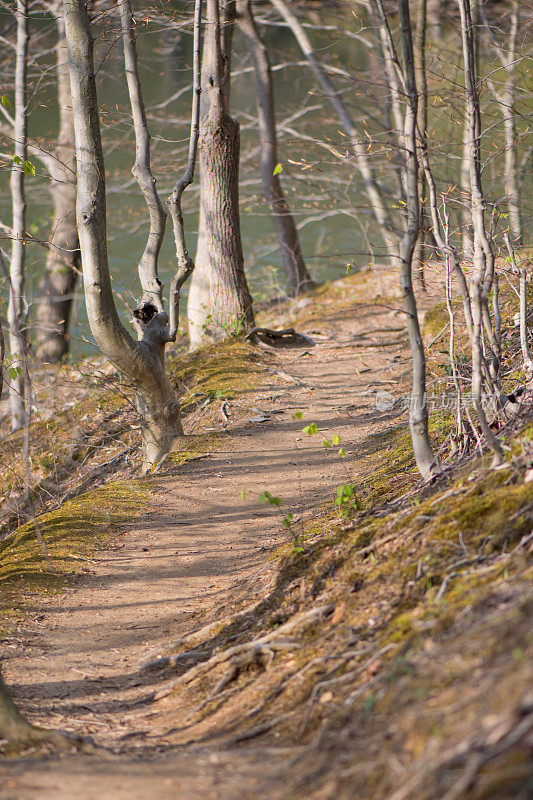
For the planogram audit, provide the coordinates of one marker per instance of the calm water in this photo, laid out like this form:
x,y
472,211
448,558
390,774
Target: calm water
x,y
332,215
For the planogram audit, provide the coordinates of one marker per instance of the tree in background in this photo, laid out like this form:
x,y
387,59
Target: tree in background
x,y
17,303
219,299
297,275
58,284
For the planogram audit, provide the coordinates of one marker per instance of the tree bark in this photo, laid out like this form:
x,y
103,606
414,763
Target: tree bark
x,y
141,362
418,411
467,230
17,303
220,304
13,726
58,285
297,275
419,47
185,264
483,272
141,170
505,98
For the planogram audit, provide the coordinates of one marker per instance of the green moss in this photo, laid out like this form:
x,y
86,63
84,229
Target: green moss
x,y
435,319
488,512
40,555
217,371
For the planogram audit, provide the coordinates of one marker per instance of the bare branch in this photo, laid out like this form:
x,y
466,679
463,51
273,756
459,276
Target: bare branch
x,y
141,170
184,261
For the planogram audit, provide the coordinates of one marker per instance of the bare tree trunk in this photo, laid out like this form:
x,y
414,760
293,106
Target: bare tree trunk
x,y
17,309
372,188
506,100
13,726
418,412
141,362
483,256
220,303
141,170
467,230
185,265
293,262
2,355
419,46
228,15
58,284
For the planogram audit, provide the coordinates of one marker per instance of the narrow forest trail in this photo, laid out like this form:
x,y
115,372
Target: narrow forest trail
x,y
77,665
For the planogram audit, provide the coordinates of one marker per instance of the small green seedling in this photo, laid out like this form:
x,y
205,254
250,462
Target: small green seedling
x,y
270,499
346,500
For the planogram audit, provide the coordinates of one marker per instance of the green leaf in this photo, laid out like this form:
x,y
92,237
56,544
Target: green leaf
x,y
6,102
342,452
243,494
287,520
326,443
336,440
29,168
17,160
298,415
310,430
13,372
277,169
270,499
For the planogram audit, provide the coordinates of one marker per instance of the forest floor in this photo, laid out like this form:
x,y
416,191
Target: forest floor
x,y
211,652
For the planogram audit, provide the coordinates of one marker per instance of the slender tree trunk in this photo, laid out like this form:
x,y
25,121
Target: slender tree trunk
x,y
220,303
141,170
419,46
141,362
505,98
418,412
467,230
58,285
373,190
17,310
2,355
297,275
483,256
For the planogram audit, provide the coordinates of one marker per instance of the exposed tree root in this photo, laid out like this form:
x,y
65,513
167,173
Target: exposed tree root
x,y
471,755
243,654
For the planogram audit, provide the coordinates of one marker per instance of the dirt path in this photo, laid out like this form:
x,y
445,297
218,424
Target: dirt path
x,y
172,570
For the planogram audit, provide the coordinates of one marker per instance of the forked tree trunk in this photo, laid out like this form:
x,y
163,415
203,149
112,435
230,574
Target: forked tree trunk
x,y
16,309
220,303
297,275
141,362
58,285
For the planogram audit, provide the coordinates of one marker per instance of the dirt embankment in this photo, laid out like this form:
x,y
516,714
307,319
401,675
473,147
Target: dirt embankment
x,y
355,635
